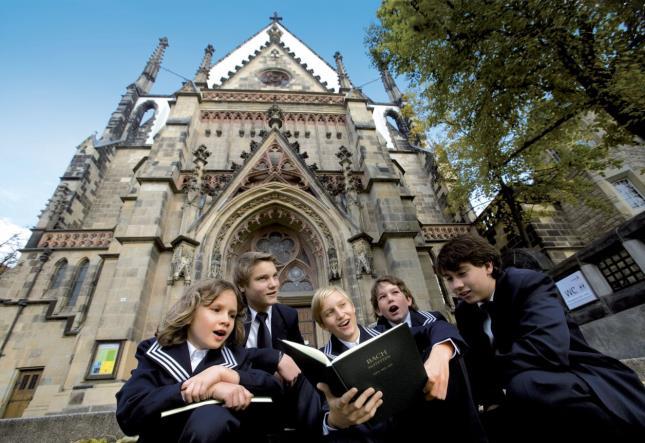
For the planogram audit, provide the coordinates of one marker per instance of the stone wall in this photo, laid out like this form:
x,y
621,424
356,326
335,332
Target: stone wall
x,y
61,428
420,185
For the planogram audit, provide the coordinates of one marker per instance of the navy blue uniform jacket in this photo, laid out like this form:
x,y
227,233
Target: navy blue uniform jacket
x,y
155,385
284,325
417,318
533,332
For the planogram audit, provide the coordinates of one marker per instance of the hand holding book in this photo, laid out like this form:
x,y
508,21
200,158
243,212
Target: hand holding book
x,y
197,387
389,362
234,396
343,412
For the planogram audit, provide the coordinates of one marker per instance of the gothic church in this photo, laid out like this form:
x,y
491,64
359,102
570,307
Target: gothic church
x,y
271,149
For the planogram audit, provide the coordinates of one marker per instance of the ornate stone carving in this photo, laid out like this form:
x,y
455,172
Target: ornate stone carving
x,y
275,116
304,211
216,265
334,184
334,269
182,264
76,239
444,232
239,116
193,183
265,97
282,215
274,33
274,165
362,257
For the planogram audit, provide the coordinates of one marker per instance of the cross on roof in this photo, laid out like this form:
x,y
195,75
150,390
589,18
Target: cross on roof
x,y
275,17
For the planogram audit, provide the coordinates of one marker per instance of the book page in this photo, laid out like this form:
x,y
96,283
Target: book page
x,y
366,342
311,352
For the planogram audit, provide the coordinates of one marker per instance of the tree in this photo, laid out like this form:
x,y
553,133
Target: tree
x,y
512,81
9,252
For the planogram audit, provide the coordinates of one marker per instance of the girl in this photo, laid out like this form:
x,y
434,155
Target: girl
x,y
195,356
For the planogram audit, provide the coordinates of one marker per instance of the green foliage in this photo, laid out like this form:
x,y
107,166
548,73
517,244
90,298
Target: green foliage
x,y
517,84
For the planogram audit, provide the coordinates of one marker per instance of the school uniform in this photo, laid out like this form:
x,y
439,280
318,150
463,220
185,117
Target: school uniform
x,y
299,408
417,318
284,325
538,355
155,386
453,419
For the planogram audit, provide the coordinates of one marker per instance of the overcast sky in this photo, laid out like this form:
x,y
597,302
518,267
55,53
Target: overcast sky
x,y
65,65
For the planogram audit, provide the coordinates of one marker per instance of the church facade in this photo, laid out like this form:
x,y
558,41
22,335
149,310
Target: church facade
x,y
269,149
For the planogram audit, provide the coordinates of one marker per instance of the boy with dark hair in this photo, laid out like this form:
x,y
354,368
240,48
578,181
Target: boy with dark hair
x,y
528,356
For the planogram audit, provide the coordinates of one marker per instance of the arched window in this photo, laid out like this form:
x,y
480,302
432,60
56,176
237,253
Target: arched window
x,y
141,123
294,262
296,271
58,275
78,282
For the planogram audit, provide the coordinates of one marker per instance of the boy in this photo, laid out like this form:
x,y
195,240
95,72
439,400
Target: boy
x,y
334,311
526,346
256,276
393,303
195,356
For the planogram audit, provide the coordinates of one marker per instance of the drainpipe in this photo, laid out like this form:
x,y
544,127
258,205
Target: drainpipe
x,y
43,258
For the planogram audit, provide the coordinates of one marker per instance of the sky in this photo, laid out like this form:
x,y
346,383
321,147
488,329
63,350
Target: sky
x,y
65,65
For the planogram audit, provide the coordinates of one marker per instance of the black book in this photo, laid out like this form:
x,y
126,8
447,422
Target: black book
x,y
389,362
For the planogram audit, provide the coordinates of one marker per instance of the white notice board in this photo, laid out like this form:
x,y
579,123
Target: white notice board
x,y
575,290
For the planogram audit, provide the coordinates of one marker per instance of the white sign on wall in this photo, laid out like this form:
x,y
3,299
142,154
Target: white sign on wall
x,y
575,290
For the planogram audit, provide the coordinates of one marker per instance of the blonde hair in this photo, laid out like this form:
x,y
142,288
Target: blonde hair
x,y
173,329
245,264
320,296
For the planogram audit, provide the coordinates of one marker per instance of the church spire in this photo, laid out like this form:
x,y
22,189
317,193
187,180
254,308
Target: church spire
x,y
116,126
147,78
390,86
201,76
343,78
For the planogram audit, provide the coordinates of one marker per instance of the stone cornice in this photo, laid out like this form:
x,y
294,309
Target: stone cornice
x,y
307,117
270,97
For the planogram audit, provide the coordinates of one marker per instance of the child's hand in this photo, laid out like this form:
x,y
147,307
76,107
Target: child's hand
x,y
437,368
288,370
344,413
233,395
196,388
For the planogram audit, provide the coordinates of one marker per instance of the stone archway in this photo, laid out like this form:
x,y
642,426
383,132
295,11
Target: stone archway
x,y
298,238
297,265
138,126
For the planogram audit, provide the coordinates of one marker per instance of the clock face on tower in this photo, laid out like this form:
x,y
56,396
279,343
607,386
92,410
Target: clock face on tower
x,y
274,77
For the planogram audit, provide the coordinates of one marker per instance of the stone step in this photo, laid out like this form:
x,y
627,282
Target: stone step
x,y
63,428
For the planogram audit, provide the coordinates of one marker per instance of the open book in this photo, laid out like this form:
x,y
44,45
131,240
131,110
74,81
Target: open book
x,y
389,362
208,402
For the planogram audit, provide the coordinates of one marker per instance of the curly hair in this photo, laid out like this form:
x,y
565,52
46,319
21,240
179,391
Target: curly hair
x,y
396,282
173,329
